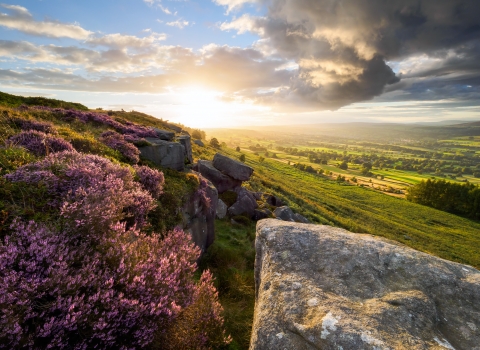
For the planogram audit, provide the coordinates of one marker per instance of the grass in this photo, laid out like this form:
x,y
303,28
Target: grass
x,y
366,211
231,259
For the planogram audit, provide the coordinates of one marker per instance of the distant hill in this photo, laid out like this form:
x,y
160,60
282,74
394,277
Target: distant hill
x,y
16,101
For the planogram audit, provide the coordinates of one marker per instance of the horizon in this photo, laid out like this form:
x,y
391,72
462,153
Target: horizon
x,y
249,63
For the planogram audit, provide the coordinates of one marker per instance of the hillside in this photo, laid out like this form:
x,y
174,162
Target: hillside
x,y
29,203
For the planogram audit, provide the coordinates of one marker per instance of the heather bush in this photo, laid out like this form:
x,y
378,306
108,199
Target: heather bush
x,y
116,290
90,277
44,127
81,186
118,142
134,131
151,180
201,322
39,143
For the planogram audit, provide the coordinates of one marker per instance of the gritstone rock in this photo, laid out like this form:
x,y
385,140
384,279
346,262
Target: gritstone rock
x,y
164,134
300,218
221,209
284,213
164,153
198,218
319,287
232,168
185,141
221,181
199,143
245,204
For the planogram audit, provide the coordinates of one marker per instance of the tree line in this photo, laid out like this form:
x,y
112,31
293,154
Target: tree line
x,y
462,199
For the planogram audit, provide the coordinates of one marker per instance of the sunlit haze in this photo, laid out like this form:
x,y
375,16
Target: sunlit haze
x,y
231,63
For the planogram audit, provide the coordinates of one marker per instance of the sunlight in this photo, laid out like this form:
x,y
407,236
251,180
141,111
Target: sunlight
x,y
200,107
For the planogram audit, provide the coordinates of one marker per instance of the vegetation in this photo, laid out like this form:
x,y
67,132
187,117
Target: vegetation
x,y
16,101
462,199
88,254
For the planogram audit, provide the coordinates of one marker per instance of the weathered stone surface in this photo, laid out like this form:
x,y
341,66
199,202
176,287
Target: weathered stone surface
x,y
221,209
284,213
199,142
198,219
164,134
164,153
319,287
300,218
186,143
245,204
221,181
232,167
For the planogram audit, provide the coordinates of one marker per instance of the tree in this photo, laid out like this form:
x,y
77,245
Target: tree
x,y
198,134
242,158
343,165
237,149
214,143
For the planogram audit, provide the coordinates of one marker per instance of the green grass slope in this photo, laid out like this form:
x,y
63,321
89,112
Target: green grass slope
x,y
9,100
366,211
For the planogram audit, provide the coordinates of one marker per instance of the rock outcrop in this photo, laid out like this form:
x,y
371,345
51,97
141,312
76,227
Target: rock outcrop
x,y
231,167
164,134
199,143
245,204
187,144
164,153
198,218
221,181
319,287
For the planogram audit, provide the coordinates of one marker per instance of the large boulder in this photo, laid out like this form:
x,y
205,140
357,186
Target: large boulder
x,y
319,287
164,153
221,181
186,143
164,134
245,204
232,167
198,216
284,213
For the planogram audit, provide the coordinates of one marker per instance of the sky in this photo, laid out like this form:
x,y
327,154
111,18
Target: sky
x,y
233,63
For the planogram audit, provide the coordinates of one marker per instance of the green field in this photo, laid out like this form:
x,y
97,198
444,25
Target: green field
x,y
364,210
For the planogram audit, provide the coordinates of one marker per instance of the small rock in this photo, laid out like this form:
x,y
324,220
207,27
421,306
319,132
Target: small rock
x,y
199,143
284,213
221,209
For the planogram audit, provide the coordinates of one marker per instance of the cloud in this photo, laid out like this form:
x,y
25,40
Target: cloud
x,y
235,71
233,4
120,41
243,24
344,49
178,23
21,19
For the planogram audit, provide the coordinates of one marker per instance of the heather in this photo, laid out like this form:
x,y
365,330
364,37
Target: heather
x,y
91,273
39,143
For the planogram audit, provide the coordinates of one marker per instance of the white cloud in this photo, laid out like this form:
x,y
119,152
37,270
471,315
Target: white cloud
x,y
243,24
126,41
233,4
178,23
21,19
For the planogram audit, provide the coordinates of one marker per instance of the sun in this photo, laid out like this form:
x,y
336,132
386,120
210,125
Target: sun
x,y
200,107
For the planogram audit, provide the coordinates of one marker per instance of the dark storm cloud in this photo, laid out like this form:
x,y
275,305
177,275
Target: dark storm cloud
x,y
344,48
